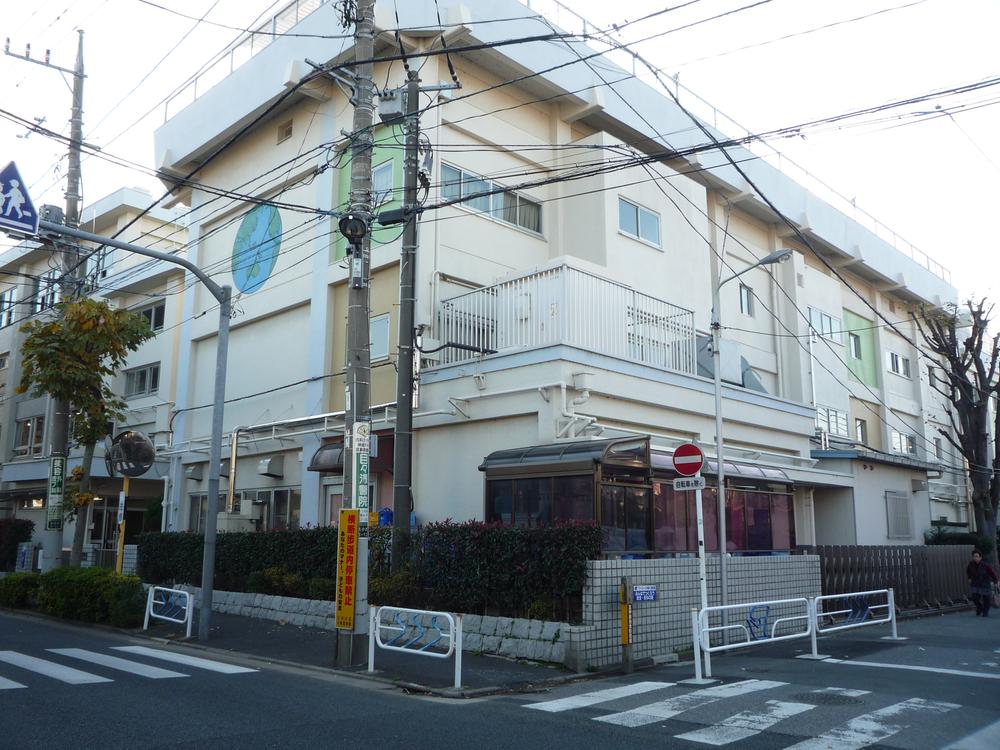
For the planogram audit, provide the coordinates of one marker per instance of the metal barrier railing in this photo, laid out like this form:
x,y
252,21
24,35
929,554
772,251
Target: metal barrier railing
x,y
757,627
860,613
416,636
172,605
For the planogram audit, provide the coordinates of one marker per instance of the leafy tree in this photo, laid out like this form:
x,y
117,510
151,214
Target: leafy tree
x,y
961,347
71,357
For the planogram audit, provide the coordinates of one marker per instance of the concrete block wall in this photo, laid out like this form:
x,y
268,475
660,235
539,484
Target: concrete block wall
x,y
312,613
662,628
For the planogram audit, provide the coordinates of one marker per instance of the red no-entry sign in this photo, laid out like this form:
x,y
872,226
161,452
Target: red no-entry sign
x,y
688,459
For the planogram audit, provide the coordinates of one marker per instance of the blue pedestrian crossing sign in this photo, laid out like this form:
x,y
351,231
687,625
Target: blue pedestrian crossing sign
x,y
17,212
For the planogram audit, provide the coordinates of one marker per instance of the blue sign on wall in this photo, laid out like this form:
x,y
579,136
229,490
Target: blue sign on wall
x,y
255,251
644,593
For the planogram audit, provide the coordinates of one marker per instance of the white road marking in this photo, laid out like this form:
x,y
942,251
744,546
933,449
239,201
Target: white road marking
x,y
50,669
654,712
10,684
849,692
123,665
190,661
870,728
598,696
746,724
938,670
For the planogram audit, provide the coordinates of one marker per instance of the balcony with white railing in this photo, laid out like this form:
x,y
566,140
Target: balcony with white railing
x,y
566,306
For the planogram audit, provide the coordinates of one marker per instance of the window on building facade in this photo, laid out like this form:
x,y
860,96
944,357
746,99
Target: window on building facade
x,y
45,292
96,268
898,364
142,381
897,507
861,431
904,443
382,183
504,205
854,342
284,131
938,449
4,358
198,510
378,335
7,304
638,222
831,420
29,436
153,314
826,325
746,300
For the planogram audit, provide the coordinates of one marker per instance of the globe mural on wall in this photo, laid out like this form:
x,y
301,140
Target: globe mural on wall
x,y
255,250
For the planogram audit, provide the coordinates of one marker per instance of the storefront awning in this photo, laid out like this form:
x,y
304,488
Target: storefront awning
x,y
569,457
328,458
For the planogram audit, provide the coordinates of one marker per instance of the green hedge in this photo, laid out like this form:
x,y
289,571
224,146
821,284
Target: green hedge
x,y
13,531
87,594
19,590
176,557
469,567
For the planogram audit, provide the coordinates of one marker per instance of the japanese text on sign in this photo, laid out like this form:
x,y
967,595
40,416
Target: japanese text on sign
x,y
347,557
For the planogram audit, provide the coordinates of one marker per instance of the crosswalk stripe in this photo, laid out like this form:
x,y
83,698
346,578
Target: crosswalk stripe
x,y
50,669
654,712
9,684
847,692
123,665
598,696
871,728
190,661
746,723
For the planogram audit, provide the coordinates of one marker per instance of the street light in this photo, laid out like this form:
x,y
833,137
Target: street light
x,y
778,256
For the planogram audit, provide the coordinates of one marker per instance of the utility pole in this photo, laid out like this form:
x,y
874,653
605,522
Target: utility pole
x,y
356,227
402,460
59,428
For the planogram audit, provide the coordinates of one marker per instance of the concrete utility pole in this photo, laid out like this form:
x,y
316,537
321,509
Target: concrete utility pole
x,y
402,462
358,385
356,227
52,536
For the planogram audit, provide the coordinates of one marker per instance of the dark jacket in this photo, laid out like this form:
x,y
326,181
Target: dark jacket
x,y
980,574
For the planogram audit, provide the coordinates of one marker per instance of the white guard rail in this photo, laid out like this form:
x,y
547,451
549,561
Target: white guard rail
x,y
860,612
409,634
173,605
758,627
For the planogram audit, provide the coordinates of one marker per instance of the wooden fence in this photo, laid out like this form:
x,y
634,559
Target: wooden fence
x,y
921,576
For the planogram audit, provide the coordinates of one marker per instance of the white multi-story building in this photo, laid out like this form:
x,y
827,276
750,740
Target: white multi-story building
x,y
31,273
587,276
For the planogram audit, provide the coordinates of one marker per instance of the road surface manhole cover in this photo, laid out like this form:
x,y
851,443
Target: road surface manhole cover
x,y
827,699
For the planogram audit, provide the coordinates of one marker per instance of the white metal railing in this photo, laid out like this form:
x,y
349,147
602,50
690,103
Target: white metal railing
x,y
417,632
759,628
172,605
238,53
572,22
566,306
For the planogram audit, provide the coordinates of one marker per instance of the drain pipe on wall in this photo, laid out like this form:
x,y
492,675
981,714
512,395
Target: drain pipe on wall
x,y
233,445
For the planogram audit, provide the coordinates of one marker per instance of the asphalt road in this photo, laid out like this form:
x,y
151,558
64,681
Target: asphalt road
x,y
63,686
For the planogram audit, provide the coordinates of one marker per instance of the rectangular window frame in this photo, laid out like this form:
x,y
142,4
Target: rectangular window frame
x,y
903,443
854,345
832,421
861,430
384,193
640,213
505,206
746,300
154,314
8,302
826,325
29,437
375,326
898,364
899,516
142,381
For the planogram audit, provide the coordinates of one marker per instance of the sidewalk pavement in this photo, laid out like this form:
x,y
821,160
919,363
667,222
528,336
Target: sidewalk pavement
x,y
272,641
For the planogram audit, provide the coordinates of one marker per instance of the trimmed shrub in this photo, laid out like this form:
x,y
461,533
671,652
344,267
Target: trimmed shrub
x,y
941,535
92,595
323,588
176,557
13,531
19,590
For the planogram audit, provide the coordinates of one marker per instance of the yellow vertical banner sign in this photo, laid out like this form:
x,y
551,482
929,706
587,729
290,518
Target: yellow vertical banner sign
x,y
347,568
120,557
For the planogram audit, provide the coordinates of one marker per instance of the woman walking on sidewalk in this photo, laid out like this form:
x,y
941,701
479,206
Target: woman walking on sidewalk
x,y
981,577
